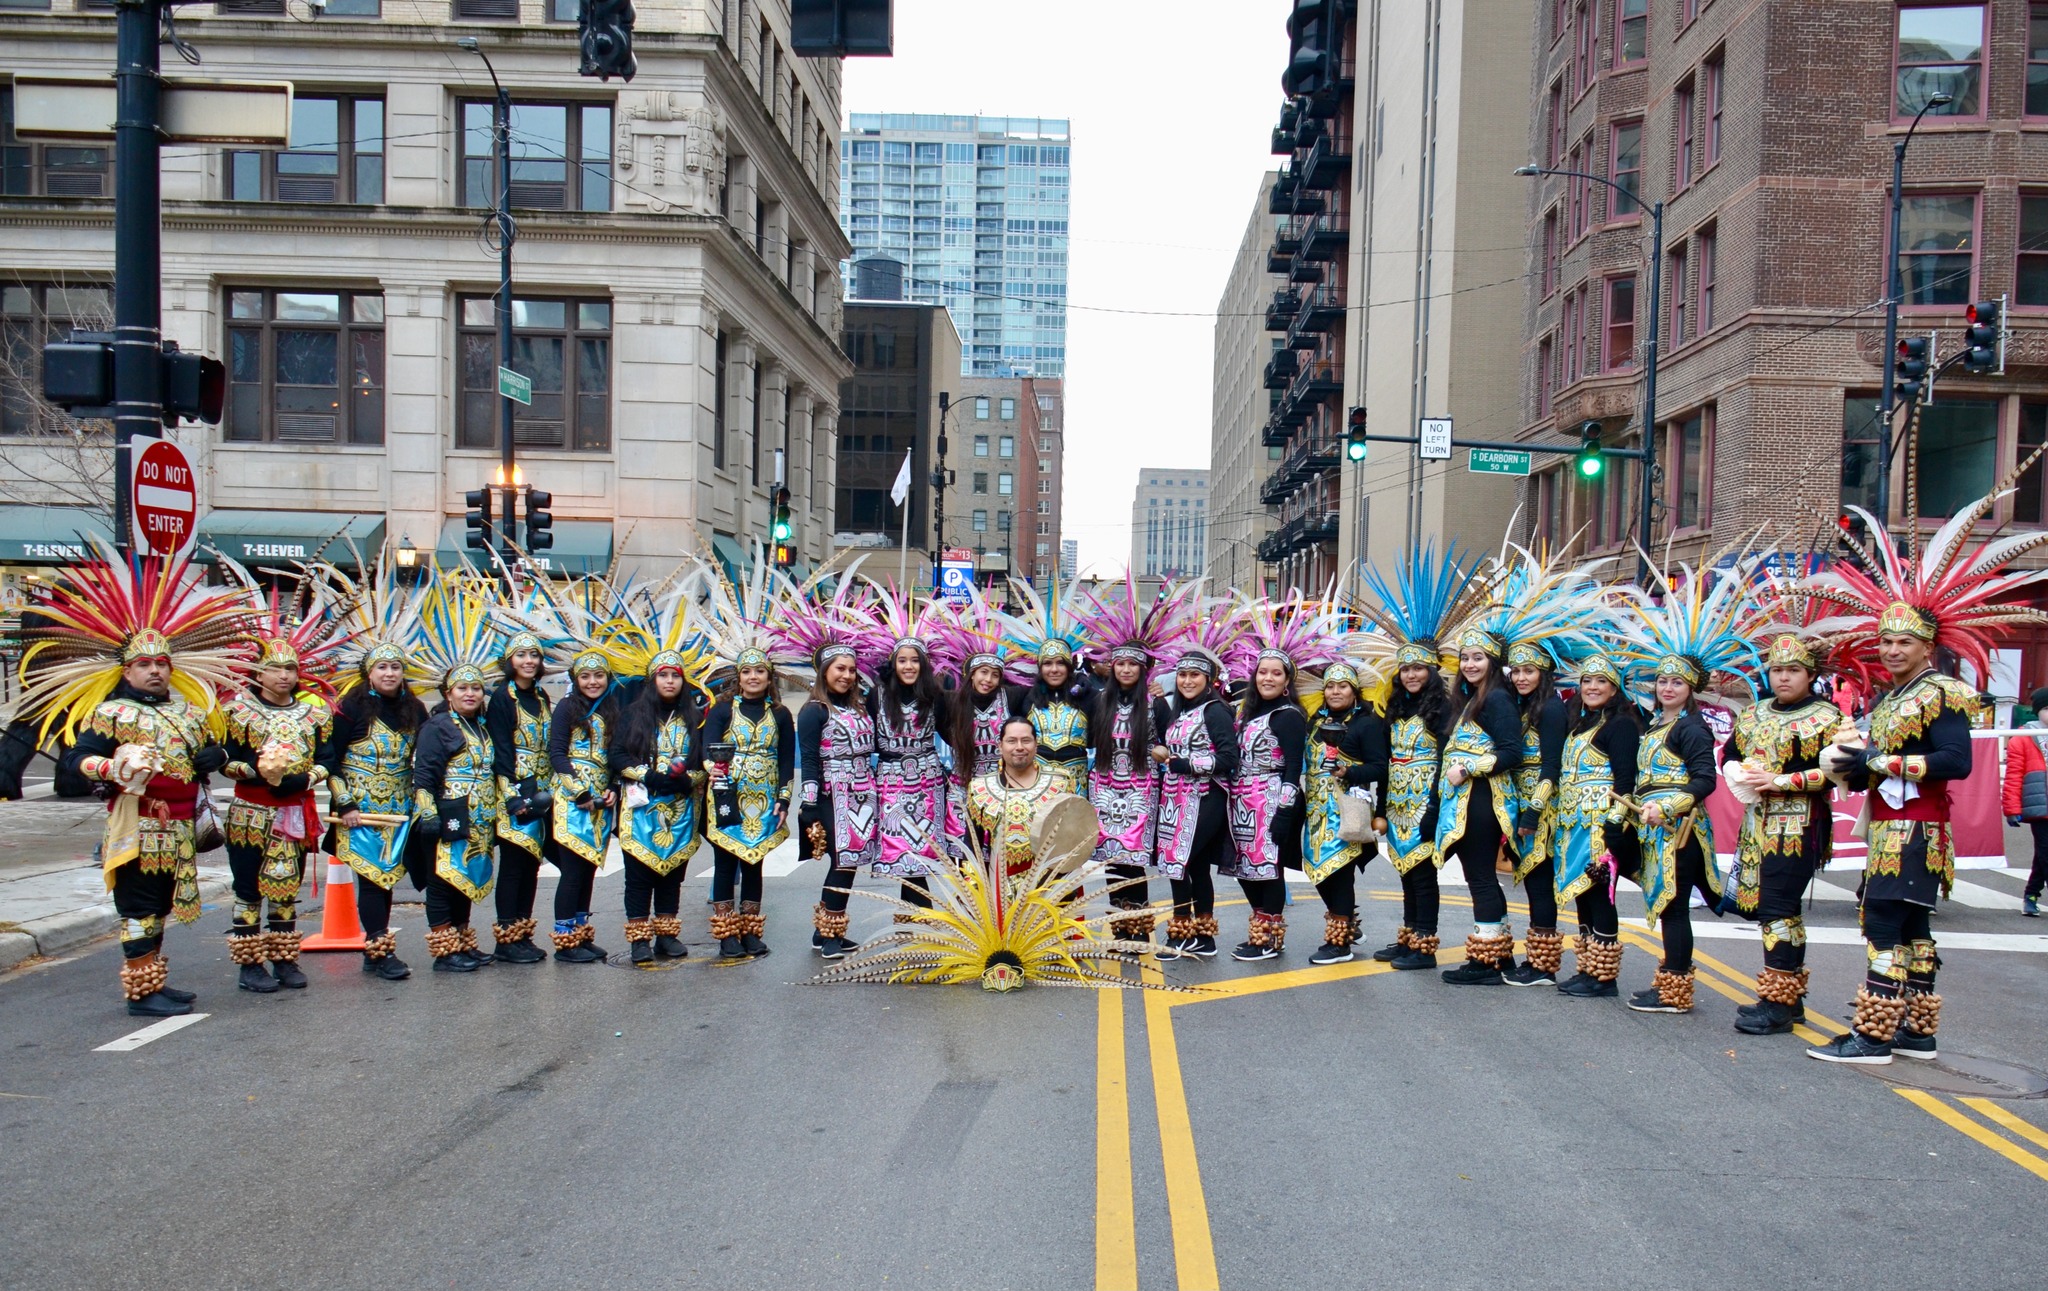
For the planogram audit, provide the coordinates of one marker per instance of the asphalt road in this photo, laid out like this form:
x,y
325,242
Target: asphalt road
x,y
711,1125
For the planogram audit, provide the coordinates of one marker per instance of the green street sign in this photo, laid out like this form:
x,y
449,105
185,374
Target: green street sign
x,y
519,389
1497,461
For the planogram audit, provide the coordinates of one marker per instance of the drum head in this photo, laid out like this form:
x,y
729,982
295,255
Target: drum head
x,y
1066,832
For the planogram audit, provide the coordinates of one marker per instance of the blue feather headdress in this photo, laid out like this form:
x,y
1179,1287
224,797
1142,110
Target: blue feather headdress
x,y
459,640
1538,614
1428,597
1693,626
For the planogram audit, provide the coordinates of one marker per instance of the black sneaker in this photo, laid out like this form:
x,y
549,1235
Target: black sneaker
x,y
1911,1044
287,973
730,948
1249,953
480,955
175,995
1856,1048
1770,1019
1389,953
1411,959
1647,996
753,946
520,952
575,955
1651,1002
668,947
836,948
455,963
253,978
1331,953
1585,986
1528,975
641,951
391,968
1754,1008
158,1005
1202,945
1473,973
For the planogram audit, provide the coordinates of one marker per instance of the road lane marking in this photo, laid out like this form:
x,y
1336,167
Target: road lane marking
x,y
154,1031
1116,1225
1955,1120
1239,987
1997,1115
1194,1251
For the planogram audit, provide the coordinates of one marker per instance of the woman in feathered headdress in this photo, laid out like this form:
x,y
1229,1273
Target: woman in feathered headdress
x,y
1050,634
749,749
1119,627
127,658
1347,761
368,762
1427,597
1195,747
1955,595
1590,837
274,731
454,772
586,793
1682,633
911,717
971,636
1544,613
657,752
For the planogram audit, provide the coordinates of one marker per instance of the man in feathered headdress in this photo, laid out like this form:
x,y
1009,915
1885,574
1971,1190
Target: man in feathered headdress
x,y
129,663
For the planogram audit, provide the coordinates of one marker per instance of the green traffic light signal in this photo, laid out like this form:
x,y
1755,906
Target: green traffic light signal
x,y
1590,465
1355,449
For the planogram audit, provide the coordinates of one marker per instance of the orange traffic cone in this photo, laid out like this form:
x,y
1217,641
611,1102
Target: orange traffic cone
x,y
340,929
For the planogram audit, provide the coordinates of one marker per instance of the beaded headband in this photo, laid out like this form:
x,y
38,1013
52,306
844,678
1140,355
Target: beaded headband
x,y
146,644
1901,619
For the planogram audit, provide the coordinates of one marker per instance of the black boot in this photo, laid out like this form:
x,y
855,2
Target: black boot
x,y
1769,1019
287,973
642,951
253,978
390,967
730,948
454,962
753,945
159,1004
520,952
667,947
177,996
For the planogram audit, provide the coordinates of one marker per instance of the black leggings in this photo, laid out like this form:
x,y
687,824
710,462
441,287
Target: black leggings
x,y
1421,899
1266,896
446,905
143,901
1677,919
572,890
2038,879
518,880
1129,895
1340,890
1887,924
643,885
1540,886
1195,895
1597,912
1478,851
373,907
725,868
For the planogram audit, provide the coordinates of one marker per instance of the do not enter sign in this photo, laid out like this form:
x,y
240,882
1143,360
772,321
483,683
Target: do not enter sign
x,y
165,499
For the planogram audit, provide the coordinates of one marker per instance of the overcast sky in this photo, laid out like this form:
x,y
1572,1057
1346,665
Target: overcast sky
x,y
1173,104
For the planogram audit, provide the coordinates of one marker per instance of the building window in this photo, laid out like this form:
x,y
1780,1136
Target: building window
x,y
1681,120
48,169
755,437
2037,61
1045,508
981,445
1002,521
2029,505
1007,409
249,6
1631,31
1940,49
481,9
1582,51
1716,72
31,316
1045,486
1625,167
2030,280
1549,253
718,379
305,367
1690,467
336,155
561,156
1937,248
1045,528
1674,291
1546,506
1620,349
1006,484
1558,19
1862,432
1554,154
981,482
1708,246
1573,324
981,408
1958,453
1006,446
981,522
1575,194
1543,362
565,348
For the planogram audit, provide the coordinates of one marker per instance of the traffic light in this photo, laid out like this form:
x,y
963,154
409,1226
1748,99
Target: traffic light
x,y
779,532
840,28
478,520
1852,538
78,374
1354,436
540,522
1984,338
785,555
194,386
606,29
1590,461
1308,63
1910,372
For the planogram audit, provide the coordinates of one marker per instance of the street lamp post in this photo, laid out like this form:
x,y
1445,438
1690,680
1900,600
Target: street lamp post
x,y
501,139
1649,419
1894,288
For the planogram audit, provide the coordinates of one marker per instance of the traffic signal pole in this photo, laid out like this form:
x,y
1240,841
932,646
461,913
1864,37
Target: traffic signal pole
x,y
1894,289
138,249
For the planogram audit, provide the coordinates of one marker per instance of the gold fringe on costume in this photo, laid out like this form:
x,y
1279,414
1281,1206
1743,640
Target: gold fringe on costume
x,y
1776,986
1338,929
247,948
1545,949
381,946
1878,1016
1673,989
1923,1012
140,981
443,942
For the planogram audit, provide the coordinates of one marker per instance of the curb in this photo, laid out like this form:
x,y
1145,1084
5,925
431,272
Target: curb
x,y
68,930
14,948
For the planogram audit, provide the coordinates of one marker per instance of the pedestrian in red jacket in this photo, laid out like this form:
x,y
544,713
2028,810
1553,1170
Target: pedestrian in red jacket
x,y
2026,794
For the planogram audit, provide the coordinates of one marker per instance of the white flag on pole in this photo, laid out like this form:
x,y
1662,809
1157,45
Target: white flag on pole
x,y
900,493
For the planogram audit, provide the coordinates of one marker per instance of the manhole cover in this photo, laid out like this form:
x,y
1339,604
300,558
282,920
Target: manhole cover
x,y
1957,1073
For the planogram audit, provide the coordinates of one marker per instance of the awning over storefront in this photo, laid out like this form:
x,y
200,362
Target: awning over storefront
x,y
732,556
48,535
581,547
280,539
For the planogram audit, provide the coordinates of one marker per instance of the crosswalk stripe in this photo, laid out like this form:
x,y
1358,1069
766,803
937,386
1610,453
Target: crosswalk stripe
x,y
154,1031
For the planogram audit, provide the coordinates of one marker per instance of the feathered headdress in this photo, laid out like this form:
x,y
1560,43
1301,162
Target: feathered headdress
x,y
892,620
303,630
1950,595
819,628
1209,636
1539,613
656,631
738,623
1305,636
966,636
1690,627
558,622
378,619
1047,629
1427,598
460,640
107,611
1787,620
1120,625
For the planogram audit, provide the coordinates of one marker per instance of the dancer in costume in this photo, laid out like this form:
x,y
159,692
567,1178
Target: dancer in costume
x,y
1477,801
517,717
1347,758
1954,595
750,755
368,760
658,749
126,661
1196,750
586,800
1772,763
275,729
840,813
1427,596
1590,838
454,775
909,710
1005,806
1685,632
1059,700
980,707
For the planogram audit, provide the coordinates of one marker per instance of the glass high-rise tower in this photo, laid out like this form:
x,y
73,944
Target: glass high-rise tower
x,y
975,210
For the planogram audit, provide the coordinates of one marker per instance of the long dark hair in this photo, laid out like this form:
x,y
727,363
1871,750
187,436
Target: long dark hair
x,y
1432,704
1531,704
1251,704
925,694
583,707
1583,718
1475,697
639,726
402,712
1176,703
822,693
966,704
1102,721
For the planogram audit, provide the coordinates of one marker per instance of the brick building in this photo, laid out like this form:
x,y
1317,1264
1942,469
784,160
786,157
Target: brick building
x,y
1767,130
1007,471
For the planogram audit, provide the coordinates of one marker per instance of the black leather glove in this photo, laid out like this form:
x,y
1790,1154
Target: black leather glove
x,y
293,784
585,799
1527,820
210,759
662,784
